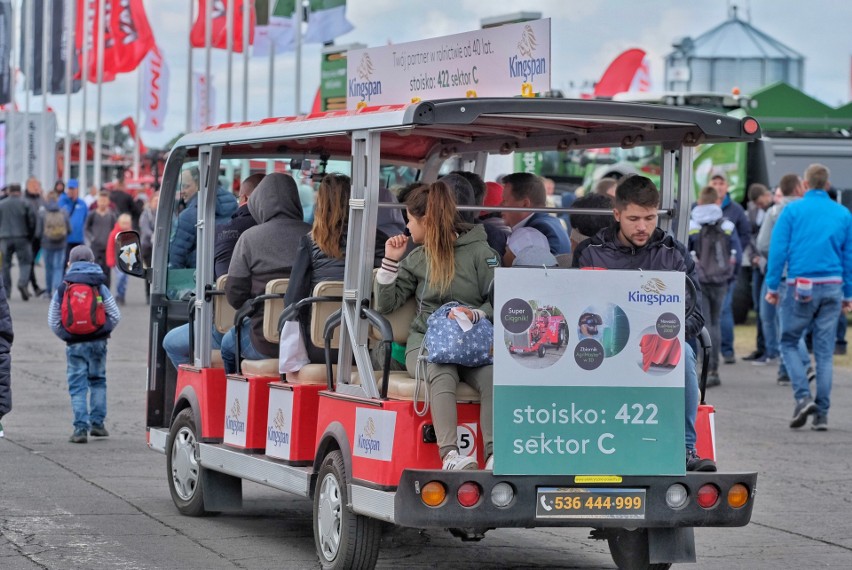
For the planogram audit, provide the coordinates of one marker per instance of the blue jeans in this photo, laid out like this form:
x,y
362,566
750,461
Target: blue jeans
x,y
692,395
822,310
229,348
87,381
54,267
770,317
727,322
176,344
120,284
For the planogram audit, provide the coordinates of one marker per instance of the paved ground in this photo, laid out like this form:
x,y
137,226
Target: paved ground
x,y
105,505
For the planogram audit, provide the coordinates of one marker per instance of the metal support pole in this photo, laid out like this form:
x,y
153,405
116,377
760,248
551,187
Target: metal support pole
x,y
101,29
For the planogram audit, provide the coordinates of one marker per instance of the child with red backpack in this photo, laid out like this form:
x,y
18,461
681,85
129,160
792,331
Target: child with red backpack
x,y
83,313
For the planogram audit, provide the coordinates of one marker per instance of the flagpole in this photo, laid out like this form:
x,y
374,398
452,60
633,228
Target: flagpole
x,y
137,158
13,116
208,47
246,34
271,61
298,98
189,85
83,157
48,144
229,31
70,8
28,85
98,175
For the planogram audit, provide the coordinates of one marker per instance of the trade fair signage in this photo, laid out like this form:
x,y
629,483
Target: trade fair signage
x,y
588,372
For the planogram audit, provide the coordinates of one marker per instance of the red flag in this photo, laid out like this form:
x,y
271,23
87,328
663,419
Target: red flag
x,y
89,9
127,36
620,73
130,125
220,28
130,34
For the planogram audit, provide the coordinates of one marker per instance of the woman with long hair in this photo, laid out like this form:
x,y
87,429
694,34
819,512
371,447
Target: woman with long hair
x,y
453,263
320,256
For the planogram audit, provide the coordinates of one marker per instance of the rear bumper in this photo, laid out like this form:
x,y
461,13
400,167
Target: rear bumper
x,y
521,512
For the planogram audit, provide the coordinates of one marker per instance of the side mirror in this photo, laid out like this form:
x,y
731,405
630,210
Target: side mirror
x,y
128,253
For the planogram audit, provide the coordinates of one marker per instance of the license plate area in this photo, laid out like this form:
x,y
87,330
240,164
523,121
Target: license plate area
x,y
590,503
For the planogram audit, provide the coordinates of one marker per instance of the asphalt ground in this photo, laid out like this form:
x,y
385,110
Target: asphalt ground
x,y
106,505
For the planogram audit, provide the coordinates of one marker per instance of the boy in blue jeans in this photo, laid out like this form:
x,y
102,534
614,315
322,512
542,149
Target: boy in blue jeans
x,y
77,319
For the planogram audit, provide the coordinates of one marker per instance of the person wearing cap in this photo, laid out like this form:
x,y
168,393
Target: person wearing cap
x,y
85,355
494,197
528,247
77,212
735,213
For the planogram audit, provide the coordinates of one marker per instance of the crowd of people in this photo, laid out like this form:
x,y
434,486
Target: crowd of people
x,y
38,227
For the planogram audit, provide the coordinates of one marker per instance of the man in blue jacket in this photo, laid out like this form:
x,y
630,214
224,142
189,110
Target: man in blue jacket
x,y
813,238
71,202
524,190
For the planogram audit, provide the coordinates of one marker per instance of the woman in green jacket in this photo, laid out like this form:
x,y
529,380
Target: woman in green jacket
x,y
454,263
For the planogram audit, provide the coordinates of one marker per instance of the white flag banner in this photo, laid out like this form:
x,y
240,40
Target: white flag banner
x,y
155,90
325,24
203,117
280,31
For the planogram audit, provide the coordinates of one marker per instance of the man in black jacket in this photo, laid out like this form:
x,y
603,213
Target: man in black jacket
x,y
17,228
635,242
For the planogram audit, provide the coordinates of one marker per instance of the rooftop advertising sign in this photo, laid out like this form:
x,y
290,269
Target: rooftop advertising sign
x,y
506,61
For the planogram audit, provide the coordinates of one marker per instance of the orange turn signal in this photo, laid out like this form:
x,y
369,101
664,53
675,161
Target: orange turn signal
x,y
738,496
433,493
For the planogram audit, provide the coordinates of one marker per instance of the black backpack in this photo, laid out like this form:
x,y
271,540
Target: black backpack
x,y
714,253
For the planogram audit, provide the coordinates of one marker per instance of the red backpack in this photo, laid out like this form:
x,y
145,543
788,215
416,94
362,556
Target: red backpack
x,y
83,311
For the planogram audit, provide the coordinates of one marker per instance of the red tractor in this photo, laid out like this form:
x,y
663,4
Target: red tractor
x,y
547,329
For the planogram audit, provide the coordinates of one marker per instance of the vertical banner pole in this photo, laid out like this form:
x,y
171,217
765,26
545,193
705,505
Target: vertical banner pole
x,y
229,31
100,29
208,47
84,137
70,9
189,84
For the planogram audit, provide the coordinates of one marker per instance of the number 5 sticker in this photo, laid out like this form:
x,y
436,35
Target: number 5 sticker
x,y
467,439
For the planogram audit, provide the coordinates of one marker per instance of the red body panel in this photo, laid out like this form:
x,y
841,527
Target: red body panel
x,y
705,429
303,432
209,385
408,451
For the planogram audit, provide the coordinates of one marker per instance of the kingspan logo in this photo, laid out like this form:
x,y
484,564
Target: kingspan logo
x,y
366,441
364,86
232,421
526,64
652,293
275,433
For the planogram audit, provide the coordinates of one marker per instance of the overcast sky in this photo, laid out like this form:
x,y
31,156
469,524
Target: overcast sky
x,y
585,36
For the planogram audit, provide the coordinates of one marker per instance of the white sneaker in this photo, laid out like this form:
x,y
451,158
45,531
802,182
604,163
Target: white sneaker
x,y
455,462
489,463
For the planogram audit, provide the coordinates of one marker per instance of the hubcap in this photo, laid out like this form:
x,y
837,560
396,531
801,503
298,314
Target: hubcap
x,y
329,516
184,464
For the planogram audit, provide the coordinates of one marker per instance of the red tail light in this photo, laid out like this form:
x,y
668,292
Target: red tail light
x,y
750,126
469,494
708,496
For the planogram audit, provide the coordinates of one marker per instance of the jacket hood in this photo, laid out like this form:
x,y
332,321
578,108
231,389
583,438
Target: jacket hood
x,y
476,233
85,272
608,237
276,196
706,213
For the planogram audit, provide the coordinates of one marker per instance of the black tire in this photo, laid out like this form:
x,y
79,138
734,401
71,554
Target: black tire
x,y
182,469
563,337
342,538
629,550
541,351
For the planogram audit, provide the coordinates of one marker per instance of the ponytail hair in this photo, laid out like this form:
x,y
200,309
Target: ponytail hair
x,y
331,214
435,207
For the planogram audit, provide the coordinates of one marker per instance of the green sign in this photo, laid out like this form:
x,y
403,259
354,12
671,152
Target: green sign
x,y
333,81
589,372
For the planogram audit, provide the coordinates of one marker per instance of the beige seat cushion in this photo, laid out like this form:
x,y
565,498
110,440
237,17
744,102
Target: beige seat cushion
x,y
268,367
401,387
216,359
310,374
272,309
321,311
223,312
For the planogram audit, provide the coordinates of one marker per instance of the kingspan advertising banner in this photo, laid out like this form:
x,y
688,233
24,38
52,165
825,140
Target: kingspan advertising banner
x,y
507,61
588,372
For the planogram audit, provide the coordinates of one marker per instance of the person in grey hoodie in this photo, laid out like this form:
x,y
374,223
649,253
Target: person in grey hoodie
x,y
264,252
17,227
